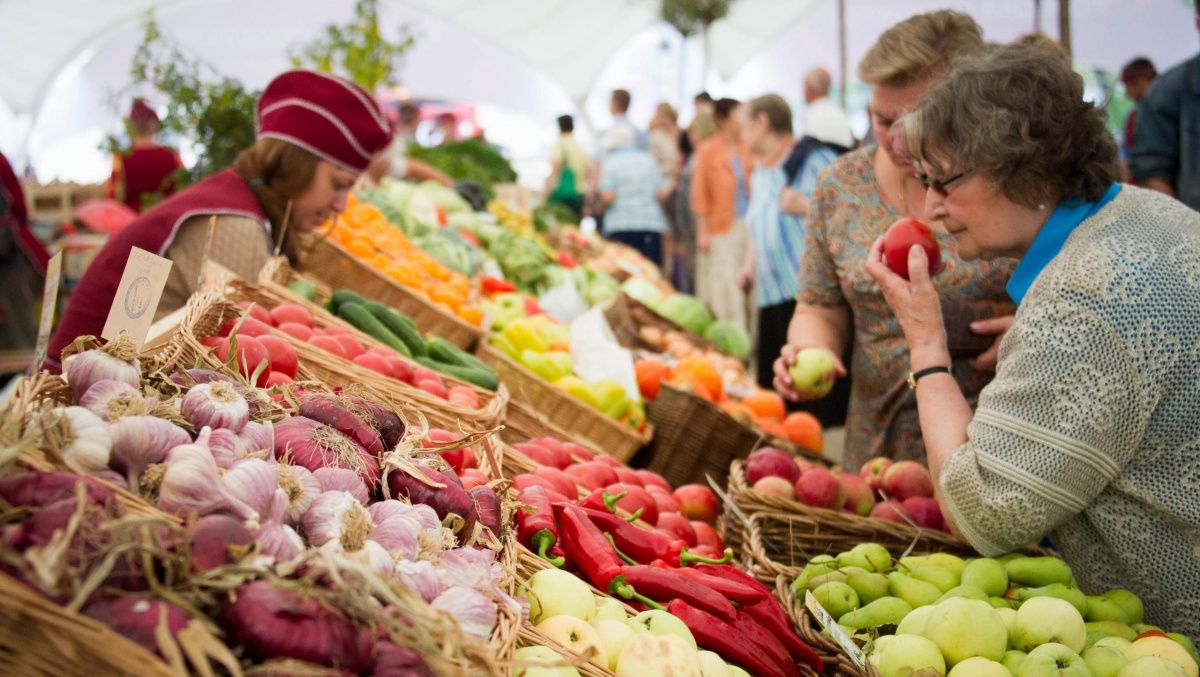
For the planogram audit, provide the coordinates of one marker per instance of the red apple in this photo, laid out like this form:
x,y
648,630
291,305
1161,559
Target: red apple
x,y
350,345
664,500
627,475
561,480
636,498
888,510
650,478
473,477
329,344
775,486
770,461
249,326
802,464
592,475
859,499
469,459
298,330
290,312
708,537
551,443
900,238
820,488
578,452
872,471
454,457
677,525
906,479
924,511
282,354
697,502
256,311
610,460
277,379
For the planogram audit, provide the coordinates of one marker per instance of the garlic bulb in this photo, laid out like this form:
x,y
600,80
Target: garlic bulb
x,y
257,437
138,441
419,576
80,436
216,405
338,516
371,553
223,443
342,479
116,361
110,400
398,536
276,538
301,487
253,482
192,483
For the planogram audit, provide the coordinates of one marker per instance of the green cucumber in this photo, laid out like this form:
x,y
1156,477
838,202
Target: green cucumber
x,y
444,351
344,296
400,325
364,321
486,380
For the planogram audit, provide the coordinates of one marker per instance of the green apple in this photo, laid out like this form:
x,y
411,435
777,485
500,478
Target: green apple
x,y
963,628
1118,643
576,635
986,574
661,623
650,655
914,622
1053,660
1151,666
712,665
813,373
904,655
940,577
609,609
1013,660
1104,661
1163,647
536,655
614,635
1047,620
869,556
979,666
554,592
838,599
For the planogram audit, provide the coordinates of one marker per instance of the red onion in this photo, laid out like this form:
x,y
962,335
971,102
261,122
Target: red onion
x,y
303,441
272,622
43,488
138,441
214,538
393,661
487,506
331,412
137,618
411,481
390,427
341,479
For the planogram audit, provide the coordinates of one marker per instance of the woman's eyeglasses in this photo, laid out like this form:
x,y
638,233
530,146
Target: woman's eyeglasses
x,y
939,186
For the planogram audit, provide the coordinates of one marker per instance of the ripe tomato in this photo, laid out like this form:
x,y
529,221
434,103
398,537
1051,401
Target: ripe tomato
x,y
901,236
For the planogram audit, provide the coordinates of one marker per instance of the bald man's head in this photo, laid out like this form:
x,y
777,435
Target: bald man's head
x,y
816,84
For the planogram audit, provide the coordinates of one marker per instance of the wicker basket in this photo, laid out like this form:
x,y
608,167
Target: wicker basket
x,y
694,440
564,410
207,312
329,262
837,662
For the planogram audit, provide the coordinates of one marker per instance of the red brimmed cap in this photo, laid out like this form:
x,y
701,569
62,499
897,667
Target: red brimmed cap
x,y
326,115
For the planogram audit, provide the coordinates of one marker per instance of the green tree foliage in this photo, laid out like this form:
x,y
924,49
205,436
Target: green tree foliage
x,y
690,17
358,50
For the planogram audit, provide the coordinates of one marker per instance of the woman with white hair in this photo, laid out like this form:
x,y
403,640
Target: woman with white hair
x,y
630,190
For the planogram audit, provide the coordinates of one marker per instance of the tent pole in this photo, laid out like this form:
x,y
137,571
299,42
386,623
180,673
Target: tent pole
x,y
1064,25
1037,16
841,6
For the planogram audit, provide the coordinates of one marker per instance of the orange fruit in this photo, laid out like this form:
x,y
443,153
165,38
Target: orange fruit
x,y
804,429
766,404
771,426
690,384
650,375
703,371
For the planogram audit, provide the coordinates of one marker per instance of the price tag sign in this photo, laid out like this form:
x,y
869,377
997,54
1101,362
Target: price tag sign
x,y
835,630
136,300
49,303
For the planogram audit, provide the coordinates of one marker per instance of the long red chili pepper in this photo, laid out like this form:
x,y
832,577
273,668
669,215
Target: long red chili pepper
x,y
766,612
665,585
587,548
714,634
734,591
536,529
605,502
750,629
643,545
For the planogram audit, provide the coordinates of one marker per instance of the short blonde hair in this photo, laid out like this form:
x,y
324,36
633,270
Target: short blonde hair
x,y
920,46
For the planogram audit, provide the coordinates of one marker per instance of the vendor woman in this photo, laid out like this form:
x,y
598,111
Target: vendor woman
x,y
316,134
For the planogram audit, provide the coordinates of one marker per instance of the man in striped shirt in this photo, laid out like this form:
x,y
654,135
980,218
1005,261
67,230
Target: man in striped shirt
x,y
775,217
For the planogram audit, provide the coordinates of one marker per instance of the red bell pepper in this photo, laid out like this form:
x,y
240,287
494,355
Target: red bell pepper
x,y
494,285
665,584
726,639
531,307
643,545
566,260
536,529
766,612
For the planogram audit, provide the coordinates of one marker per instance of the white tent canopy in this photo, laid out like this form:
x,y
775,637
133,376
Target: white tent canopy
x,y
64,60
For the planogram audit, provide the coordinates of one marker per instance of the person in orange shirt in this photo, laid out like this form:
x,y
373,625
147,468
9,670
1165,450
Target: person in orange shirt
x,y
146,168
720,194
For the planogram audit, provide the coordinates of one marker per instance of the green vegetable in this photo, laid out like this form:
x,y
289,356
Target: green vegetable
x,y
399,325
686,311
343,296
304,289
485,380
729,338
443,351
362,319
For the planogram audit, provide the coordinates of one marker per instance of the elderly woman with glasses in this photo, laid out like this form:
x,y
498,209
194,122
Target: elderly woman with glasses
x,y
1091,429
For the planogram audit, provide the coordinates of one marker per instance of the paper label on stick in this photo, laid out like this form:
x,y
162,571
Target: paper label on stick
x,y
136,301
49,303
835,630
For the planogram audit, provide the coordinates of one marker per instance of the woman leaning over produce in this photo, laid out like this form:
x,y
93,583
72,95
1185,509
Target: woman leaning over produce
x,y
1091,428
316,134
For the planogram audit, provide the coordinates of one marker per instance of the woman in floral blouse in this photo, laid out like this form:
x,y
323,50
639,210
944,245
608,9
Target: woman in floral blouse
x,y
855,201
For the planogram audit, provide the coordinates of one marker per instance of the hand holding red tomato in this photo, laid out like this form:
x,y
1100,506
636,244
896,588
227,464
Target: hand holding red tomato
x,y
915,303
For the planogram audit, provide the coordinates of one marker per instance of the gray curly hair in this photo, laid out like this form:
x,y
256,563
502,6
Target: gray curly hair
x,y
1015,115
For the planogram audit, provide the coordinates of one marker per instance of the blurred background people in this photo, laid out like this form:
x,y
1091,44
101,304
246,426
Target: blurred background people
x,y
145,173
630,189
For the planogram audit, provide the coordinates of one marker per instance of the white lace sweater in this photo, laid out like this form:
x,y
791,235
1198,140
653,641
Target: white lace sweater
x,y
1091,428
